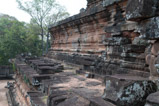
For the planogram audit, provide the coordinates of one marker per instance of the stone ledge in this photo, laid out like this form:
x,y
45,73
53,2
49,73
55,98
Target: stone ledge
x,y
88,12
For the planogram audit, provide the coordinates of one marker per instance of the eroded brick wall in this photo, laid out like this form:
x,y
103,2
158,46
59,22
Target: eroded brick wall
x,y
110,37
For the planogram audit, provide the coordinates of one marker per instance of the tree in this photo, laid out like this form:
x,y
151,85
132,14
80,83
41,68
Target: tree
x,y
53,19
12,38
32,41
41,12
16,38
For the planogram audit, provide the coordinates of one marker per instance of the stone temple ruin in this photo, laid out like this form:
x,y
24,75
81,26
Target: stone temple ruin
x,y
107,55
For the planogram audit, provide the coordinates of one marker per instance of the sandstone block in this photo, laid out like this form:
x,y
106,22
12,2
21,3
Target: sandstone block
x,y
157,60
140,9
157,64
155,48
149,28
153,70
99,102
148,59
139,41
109,2
117,41
153,99
147,50
126,90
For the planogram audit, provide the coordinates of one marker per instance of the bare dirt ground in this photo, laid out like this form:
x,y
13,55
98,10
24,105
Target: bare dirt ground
x,y
3,98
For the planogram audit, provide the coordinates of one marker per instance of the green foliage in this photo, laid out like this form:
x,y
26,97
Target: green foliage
x,y
43,13
13,66
26,80
32,41
16,38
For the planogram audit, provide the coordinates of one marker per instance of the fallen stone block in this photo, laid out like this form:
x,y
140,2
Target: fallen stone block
x,y
153,99
126,90
53,100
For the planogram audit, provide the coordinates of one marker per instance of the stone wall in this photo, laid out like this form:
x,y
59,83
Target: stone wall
x,y
117,40
101,39
6,71
118,34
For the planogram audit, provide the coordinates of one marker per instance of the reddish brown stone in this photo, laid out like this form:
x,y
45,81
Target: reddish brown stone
x,y
126,34
148,59
133,35
155,48
153,70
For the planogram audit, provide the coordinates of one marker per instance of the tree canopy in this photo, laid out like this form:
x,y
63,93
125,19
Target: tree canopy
x,y
15,38
43,13
20,37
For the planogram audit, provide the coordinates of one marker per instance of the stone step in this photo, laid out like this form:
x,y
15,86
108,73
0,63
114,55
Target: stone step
x,y
50,69
132,72
122,71
133,65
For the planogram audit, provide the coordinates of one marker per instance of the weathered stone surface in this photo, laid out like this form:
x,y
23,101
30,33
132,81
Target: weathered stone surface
x,y
127,90
39,66
139,41
149,28
100,43
141,9
153,70
36,98
155,48
153,99
109,2
157,64
62,88
50,70
76,92
148,59
117,41
99,102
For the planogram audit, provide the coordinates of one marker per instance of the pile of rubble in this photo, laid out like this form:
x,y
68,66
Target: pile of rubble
x,y
57,87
